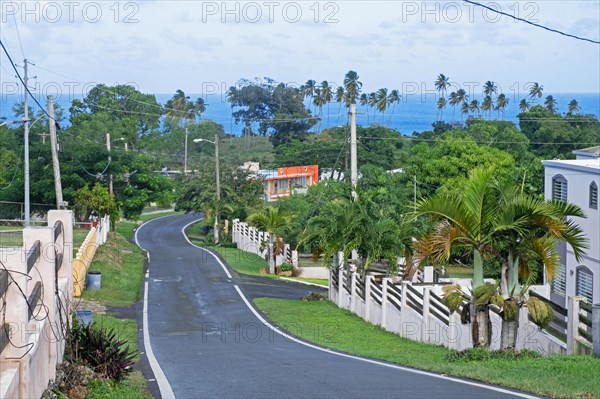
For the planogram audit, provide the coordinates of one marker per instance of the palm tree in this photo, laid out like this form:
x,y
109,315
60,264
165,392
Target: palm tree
x,y
464,110
271,221
364,101
487,105
373,103
318,102
215,211
352,86
442,82
573,107
490,88
394,98
550,104
382,102
535,90
454,101
339,98
181,107
441,104
326,95
474,107
501,104
524,105
466,220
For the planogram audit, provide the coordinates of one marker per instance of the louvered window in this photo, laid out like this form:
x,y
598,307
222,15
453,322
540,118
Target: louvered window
x,y
560,281
559,188
594,195
585,283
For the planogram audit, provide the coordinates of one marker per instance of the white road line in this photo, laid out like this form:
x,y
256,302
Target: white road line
x,y
163,384
204,249
371,361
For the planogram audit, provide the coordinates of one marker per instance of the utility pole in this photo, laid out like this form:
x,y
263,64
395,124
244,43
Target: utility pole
x,y
54,144
110,176
217,167
26,143
185,153
353,151
415,192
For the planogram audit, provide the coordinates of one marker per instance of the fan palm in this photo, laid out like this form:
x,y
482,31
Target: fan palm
x,y
271,221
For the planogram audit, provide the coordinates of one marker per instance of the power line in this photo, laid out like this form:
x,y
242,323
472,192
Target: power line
x,y
23,83
18,35
532,23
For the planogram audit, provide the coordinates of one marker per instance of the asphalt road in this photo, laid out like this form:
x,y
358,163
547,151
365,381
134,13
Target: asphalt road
x,y
204,339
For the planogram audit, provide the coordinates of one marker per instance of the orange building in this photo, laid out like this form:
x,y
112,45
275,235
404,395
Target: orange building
x,y
284,182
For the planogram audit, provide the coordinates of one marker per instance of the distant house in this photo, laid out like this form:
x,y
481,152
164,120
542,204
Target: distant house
x,y
577,182
284,182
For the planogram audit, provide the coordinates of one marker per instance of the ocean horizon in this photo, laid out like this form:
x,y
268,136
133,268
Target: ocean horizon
x,y
414,113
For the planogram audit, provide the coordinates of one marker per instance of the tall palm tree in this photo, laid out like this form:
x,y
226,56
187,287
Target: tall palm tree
x,y
373,103
573,107
364,101
536,91
524,105
490,88
474,107
318,102
326,95
183,108
382,102
441,104
550,104
487,105
339,98
308,89
215,211
442,82
501,104
394,98
454,101
274,223
464,110
352,87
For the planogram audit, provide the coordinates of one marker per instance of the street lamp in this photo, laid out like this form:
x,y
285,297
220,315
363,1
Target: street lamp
x,y
216,144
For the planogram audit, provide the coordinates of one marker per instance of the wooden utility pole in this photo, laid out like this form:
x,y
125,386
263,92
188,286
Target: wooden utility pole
x,y
55,162
185,152
26,143
110,176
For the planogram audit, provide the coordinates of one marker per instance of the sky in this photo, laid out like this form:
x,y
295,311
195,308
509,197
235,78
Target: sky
x,y
206,46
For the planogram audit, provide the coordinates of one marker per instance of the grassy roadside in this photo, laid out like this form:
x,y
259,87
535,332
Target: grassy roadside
x,y
121,265
325,324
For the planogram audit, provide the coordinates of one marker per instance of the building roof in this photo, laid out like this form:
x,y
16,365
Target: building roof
x,y
582,165
588,151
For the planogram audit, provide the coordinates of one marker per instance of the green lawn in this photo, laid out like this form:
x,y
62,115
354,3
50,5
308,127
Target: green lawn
x,y
240,261
121,265
325,324
15,238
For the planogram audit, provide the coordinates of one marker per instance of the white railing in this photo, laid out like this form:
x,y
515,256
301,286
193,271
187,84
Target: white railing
x,y
251,239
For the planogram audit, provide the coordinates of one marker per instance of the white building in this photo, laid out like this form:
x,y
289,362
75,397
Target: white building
x,y
577,182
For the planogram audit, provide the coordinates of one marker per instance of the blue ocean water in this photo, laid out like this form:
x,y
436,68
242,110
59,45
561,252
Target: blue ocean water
x,y
412,114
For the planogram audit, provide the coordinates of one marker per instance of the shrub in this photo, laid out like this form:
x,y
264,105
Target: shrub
x,y
482,354
285,267
99,349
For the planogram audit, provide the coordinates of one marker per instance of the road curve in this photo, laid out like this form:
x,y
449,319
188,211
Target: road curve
x,y
204,339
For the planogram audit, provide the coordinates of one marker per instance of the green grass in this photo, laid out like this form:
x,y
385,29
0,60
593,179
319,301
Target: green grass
x,y
240,261
15,239
121,265
126,229
133,386
325,324
459,272
145,218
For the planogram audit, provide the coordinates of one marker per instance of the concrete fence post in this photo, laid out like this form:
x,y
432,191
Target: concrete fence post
x,y
403,306
596,328
573,323
353,292
368,297
341,290
384,302
425,332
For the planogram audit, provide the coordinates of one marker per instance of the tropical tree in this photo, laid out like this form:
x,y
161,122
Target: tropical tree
x,y
318,101
474,107
550,104
524,105
573,107
182,108
454,101
339,98
536,91
326,95
308,88
464,110
382,102
271,221
487,105
441,104
442,82
501,104
352,88
393,99
490,88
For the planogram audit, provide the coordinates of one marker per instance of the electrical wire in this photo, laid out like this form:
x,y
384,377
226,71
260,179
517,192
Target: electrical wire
x,y
18,35
532,23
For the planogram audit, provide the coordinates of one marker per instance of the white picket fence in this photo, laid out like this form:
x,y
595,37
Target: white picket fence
x,y
415,311
251,239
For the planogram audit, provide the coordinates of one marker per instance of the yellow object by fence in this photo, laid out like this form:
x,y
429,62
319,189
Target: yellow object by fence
x,y
82,261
